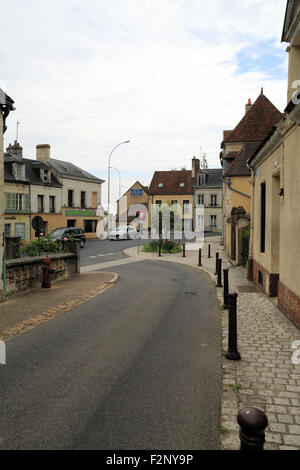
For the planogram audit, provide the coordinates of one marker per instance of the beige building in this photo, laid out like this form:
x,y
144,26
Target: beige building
x,y
275,241
173,188
135,199
238,145
6,105
208,192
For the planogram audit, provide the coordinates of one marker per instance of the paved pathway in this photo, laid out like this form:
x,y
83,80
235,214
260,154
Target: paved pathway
x,y
265,377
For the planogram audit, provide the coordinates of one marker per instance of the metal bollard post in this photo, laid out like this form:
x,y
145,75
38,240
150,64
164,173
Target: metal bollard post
x,y
253,423
209,251
219,285
159,249
217,258
226,288
183,252
232,354
200,258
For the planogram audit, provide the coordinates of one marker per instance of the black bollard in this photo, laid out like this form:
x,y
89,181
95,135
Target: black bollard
x,y
219,285
209,249
226,288
159,250
200,258
253,423
233,354
217,257
183,252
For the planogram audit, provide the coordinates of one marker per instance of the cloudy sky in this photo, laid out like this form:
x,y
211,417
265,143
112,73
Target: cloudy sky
x,y
169,75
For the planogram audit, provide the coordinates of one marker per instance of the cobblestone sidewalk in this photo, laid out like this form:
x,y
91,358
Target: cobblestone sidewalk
x,y
265,377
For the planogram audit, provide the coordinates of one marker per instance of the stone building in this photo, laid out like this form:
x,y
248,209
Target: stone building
x,y
275,167
6,105
238,146
208,192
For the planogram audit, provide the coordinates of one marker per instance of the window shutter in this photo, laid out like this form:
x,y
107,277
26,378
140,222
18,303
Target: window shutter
x,y
26,202
11,201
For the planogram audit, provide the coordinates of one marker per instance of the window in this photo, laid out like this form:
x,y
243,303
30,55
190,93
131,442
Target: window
x,y
16,202
186,207
161,185
70,198
213,221
71,223
174,203
201,200
201,180
19,171
46,176
40,204
83,199
20,231
52,204
213,200
263,219
182,185
200,223
7,229
19,200
158,203
90,226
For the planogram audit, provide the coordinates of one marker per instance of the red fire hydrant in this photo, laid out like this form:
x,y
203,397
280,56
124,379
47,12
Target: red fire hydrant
x,y
46,274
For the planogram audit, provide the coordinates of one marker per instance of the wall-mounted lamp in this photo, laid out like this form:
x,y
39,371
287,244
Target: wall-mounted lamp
x,y
281,194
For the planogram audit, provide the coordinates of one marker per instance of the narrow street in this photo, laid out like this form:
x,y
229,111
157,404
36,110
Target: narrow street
x,y
136,368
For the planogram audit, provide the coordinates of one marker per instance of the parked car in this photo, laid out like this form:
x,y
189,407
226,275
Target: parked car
x,y
123,233
61,234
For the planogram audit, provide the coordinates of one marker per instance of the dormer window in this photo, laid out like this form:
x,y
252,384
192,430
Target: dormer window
x,y
182,185
45,175
19,170
201,180
161,185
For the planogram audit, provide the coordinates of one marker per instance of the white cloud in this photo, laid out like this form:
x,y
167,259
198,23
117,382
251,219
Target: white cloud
x,y
162,73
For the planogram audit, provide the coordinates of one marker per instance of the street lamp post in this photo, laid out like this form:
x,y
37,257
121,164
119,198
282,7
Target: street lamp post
x,y
109,167
114,168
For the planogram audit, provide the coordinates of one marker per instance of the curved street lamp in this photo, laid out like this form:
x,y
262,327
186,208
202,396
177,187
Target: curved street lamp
x,y
109,167
114,168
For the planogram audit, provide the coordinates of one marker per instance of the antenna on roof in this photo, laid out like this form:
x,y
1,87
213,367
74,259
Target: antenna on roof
x,y
262,91
17,134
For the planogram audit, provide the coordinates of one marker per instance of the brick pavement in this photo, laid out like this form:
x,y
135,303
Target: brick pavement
x,y
265,377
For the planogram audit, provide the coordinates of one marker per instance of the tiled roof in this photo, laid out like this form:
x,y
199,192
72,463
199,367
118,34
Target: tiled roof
x,y
213,179
239,165
226,134
69,170
256,123
171,181
32,172
231,155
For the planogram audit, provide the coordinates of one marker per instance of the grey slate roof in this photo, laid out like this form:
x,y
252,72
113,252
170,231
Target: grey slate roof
x,y
213,179
69,170
32,172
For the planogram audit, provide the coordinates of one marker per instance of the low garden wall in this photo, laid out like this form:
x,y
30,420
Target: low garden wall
x,y
23,274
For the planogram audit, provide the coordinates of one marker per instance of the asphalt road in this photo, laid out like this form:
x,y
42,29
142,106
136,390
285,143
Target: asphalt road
x,y
136,368
103,251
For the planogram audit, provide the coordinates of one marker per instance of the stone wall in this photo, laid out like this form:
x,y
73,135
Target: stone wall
x,y
27,273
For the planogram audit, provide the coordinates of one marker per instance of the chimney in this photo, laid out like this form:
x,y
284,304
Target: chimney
x,y
15,150
43,153
248,106
195,166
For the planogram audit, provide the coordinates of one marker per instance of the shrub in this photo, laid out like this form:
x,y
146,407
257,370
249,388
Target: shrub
x,y
168,246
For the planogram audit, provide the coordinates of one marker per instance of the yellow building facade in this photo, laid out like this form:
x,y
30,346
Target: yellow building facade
x,y
275,241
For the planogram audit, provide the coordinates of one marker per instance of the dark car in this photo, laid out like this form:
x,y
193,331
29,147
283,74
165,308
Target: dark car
x,y
61,234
